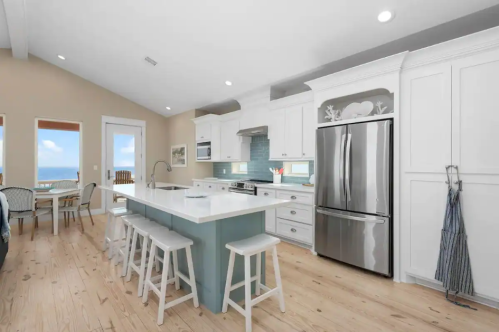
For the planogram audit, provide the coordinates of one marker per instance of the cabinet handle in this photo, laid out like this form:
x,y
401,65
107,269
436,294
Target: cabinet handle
x,y
293,212
303,153
223,188
266,194
293,230
293,197
202,136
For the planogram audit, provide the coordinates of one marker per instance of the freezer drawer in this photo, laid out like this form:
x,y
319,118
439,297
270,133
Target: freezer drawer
x,y
357,239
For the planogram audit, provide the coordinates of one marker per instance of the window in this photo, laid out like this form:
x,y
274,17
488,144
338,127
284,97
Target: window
x,y
239,168
296,168
1,151
58,151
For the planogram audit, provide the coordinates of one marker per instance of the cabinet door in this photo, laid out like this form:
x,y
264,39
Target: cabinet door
x,y
270,215
209,186
426,119
277,134
230,146
203,132
294,133
309,127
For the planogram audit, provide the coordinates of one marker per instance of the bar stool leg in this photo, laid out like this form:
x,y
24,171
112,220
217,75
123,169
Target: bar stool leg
x,y
258,273
164,284
143,266
132,256
228,282
126,250
152,255
192,278
111,237
278,281
175,270
120,242
247,291
106,235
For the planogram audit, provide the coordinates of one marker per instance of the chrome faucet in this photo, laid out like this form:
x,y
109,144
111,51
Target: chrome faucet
x,y
152,184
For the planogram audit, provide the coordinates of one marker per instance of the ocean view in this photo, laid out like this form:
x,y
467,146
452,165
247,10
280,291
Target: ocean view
x,y
66,173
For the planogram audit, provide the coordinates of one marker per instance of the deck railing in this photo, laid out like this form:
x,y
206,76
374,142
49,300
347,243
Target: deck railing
x,y
48,183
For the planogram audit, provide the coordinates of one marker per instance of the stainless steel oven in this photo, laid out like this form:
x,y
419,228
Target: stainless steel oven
x,y
203,151
247,187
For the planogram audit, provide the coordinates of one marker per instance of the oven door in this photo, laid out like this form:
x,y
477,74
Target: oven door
x,y
204,151
242,191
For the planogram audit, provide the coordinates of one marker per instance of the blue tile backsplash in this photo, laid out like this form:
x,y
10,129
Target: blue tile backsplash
x,y
258,167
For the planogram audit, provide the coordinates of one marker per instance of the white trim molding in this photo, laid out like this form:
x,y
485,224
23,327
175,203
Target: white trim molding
x,y
300,98
4,144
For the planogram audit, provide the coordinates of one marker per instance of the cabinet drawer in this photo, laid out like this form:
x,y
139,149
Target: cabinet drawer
x,y
296,212
265,192
303,198
223,188
293,230
209,186
198,185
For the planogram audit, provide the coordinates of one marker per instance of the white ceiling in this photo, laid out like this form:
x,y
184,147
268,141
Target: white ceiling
x,y
200,44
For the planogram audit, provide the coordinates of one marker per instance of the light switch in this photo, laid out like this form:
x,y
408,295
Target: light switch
x,y
95,167
224,170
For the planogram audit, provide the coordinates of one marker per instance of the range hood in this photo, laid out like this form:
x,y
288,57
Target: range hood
x,y
256,131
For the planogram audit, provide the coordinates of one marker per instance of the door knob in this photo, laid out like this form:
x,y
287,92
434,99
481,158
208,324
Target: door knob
x,y
293,230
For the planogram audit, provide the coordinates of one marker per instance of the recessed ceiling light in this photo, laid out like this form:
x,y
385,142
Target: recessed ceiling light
x,y
229,83
385,16
61,57
168,108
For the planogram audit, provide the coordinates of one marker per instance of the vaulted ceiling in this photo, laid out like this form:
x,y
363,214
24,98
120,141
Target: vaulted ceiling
x,y
200,44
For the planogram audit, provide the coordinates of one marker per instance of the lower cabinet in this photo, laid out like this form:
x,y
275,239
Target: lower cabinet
x,y
211,186
270,215
294,230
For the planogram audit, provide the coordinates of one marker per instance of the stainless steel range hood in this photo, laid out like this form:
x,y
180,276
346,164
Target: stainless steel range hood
x,y
256,131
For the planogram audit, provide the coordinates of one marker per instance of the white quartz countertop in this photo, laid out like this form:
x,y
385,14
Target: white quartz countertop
x,y
199,210
286,186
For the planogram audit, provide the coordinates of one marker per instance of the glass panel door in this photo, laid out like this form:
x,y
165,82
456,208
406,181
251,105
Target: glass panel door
x,y
123,159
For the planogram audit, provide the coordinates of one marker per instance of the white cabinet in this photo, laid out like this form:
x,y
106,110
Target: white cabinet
x,y
449,116
208,186
197,185
223,188
292,128
215,186
270,215
233,147
203,132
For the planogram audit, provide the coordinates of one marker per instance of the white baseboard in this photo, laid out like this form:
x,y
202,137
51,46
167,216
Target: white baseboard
x,y
478,298
47,217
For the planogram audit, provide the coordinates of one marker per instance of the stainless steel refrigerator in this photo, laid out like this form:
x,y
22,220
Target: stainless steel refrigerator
x,y
353,221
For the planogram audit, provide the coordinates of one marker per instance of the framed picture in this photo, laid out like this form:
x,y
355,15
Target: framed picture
x,y
179,155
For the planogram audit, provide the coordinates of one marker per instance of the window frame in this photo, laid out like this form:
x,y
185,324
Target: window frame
x,y
80,154
238,165
288,165
4,159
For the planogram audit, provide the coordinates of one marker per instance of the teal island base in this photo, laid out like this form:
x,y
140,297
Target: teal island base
x,y
209,255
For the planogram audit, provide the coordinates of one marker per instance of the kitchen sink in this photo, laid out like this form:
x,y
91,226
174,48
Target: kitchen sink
x,y
171,188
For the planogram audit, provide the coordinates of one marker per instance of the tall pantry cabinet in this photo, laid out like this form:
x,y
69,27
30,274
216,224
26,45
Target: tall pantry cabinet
x,y
450,116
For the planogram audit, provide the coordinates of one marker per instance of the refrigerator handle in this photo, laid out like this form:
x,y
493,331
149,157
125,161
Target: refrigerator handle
x,y
369,219
342,164
347,166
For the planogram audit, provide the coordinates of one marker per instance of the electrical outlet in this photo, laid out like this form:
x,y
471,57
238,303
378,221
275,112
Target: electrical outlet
x,y
224,170
95,167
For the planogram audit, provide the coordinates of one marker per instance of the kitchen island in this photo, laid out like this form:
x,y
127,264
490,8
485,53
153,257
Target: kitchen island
x,y
211,222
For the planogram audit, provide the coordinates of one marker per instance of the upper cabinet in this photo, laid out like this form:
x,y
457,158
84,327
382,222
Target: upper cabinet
x,y
292,128
203,131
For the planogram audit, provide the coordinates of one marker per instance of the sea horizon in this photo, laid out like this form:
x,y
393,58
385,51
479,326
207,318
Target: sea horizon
x,y
66,173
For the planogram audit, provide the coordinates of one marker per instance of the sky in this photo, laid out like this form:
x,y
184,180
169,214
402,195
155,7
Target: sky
x,y
58,148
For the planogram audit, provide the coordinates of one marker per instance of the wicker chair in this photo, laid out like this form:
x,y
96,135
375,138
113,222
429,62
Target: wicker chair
x,y
122,177
22,205
82,201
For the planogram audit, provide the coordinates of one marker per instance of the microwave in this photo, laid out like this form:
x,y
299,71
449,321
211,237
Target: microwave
x,y
203,151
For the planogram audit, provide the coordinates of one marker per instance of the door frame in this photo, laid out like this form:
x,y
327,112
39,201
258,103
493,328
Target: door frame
x,y
4,144
126,122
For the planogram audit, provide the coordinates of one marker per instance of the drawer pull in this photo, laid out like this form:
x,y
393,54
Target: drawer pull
x,y
293,197
223,188
293,212
209,186
266,194
293,230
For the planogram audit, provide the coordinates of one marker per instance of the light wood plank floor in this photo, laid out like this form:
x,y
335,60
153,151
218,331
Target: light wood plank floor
x,y
65,283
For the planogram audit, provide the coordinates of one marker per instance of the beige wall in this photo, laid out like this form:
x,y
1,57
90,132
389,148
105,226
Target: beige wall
x,y
181,130
35,88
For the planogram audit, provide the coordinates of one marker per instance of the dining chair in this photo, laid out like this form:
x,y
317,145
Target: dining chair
x,y
83,201
22,205
67,200
122,177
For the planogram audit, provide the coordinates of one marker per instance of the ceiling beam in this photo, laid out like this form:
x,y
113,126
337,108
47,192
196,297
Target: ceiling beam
x,y
17,23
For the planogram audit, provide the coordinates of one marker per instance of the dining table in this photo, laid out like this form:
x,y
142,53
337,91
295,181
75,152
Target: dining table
x,y
55,195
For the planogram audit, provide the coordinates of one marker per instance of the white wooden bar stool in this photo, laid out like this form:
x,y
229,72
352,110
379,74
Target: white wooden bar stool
x,y
170,242
255,245
109,237
143,228
125,230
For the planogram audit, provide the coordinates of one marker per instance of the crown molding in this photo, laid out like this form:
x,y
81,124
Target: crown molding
x,y
454,49
255,98
206,118
230,116
372,69
300,98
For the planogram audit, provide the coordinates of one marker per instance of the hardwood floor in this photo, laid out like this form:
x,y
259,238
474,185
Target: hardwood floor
x,y
66,283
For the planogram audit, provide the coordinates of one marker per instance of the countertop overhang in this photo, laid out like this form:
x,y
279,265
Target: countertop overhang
x,y
199,210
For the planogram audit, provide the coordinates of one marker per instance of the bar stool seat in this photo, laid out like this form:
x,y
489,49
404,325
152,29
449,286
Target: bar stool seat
x,y
109,237
142,228
255,245
170,242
